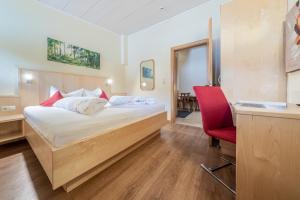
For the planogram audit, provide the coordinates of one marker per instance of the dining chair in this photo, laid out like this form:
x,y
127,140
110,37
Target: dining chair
x,y
185,97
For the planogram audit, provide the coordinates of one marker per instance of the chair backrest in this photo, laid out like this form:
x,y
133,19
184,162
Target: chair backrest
x,y
215,110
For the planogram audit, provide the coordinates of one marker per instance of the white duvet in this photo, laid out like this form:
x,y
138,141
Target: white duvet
x,y
61,127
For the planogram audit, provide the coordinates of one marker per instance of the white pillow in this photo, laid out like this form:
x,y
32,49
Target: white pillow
x,y
150,100
76,93
53,90
83,105
143,100
92,93
120,100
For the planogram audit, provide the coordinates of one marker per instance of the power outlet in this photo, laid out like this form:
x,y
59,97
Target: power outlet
x,y
8,108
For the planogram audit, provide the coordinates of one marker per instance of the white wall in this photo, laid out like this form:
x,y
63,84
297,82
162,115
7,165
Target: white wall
x,y
293,84
24,28
155,43
192,69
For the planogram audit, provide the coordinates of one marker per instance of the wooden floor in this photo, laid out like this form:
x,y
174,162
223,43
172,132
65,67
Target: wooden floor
x,y
167,167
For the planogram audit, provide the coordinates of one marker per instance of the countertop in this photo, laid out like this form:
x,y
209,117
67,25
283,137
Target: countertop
x,y
292,111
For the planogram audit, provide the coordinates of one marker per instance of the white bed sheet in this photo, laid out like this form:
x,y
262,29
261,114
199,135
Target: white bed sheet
x,y
61,127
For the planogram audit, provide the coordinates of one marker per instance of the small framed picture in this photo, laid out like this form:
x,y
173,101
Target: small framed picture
x,y
147,77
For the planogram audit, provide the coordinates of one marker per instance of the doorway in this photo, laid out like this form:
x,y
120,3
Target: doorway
x,y
175,94
191,70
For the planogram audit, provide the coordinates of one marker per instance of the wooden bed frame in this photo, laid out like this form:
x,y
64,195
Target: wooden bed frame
x,y
73,164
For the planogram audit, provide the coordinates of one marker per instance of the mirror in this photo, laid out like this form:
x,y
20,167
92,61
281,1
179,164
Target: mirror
x,y
147,75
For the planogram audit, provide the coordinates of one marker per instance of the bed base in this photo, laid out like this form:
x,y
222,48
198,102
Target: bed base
x,y
93,172
74,164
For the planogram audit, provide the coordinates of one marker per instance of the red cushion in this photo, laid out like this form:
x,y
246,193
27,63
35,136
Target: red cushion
x,y
104,95
228,134
54,98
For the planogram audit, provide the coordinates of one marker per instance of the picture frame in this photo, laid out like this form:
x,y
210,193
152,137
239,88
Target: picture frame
x,y
147,75
292,39
62,52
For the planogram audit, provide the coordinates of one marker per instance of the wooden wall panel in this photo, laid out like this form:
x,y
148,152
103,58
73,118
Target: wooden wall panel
x,y
48,79
252,53
29,93
38,91
10,101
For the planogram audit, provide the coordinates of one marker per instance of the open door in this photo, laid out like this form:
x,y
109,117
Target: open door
x,y
174,68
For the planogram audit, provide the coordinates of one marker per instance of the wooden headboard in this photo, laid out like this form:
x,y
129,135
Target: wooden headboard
x,y
36,91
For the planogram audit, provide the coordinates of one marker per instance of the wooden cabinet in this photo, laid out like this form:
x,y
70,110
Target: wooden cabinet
x,y
268,149
11,128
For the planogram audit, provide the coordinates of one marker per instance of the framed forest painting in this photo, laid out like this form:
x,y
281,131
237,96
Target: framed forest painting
x,y
292,39
62,52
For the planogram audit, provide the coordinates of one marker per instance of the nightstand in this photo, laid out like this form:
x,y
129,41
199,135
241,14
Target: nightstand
x,y
11,128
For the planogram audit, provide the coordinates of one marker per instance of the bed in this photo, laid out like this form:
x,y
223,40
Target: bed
x,y
70,127
74,147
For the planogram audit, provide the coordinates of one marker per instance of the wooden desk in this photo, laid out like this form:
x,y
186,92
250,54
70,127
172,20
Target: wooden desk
x,y
268,149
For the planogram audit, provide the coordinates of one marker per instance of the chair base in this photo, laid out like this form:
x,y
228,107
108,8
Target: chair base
x,y
212,170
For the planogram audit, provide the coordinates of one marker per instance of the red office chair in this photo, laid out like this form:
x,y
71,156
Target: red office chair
x,y
217,120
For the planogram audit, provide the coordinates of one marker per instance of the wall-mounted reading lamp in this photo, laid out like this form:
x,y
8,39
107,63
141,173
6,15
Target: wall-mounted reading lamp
x,y
28,78
109,82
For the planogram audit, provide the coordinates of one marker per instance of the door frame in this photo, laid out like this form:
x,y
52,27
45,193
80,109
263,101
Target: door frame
x,y
174,68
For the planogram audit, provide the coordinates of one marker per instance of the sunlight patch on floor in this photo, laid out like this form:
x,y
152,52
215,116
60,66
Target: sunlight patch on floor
x,y
193,119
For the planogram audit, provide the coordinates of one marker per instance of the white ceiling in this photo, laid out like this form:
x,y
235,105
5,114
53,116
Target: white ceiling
x,y
123,16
